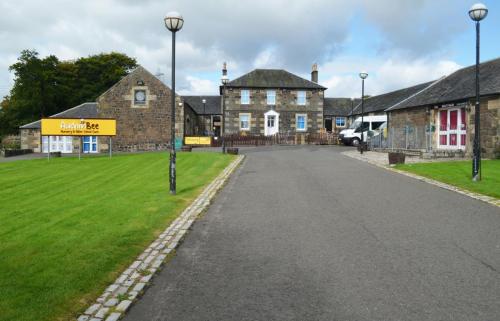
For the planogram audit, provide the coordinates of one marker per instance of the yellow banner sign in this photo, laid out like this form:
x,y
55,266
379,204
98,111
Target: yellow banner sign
x,y
197,140
78,127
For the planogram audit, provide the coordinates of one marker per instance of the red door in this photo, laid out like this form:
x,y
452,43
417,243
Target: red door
x,y
453,127
443,127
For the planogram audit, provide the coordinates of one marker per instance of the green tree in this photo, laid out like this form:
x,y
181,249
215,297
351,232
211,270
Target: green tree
x,y
46,86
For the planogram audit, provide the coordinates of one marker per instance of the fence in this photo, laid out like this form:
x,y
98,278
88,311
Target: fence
x,y
408,138
277,139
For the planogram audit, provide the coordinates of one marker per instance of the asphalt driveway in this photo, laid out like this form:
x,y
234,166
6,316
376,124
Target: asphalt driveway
x,y
305,233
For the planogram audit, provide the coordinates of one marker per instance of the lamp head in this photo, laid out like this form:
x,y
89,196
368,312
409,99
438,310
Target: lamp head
x,y
478,12
174,21
225,80
363,75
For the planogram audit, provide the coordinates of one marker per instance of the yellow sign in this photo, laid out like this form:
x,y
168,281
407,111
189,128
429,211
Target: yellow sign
x,y
78,127
198,140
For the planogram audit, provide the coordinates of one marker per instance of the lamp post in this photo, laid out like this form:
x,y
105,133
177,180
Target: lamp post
x,y
204,101
363,75
173,22
477,13
224,80
352,110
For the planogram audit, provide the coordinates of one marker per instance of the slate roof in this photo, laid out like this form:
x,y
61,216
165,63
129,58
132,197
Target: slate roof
x,y
382,102
273,78
338,106
212,106
459,86
85,110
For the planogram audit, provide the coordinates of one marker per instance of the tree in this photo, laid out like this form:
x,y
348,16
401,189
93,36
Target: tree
x,y
43,87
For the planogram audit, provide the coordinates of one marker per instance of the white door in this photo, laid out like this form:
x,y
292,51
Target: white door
x,y
271,123
452,129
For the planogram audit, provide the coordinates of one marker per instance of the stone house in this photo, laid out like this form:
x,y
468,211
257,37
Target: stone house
x,y
208,110
446,110
141,105
336,113
270,101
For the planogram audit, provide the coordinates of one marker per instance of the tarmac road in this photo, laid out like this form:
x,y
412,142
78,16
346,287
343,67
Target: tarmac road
x,y
305,233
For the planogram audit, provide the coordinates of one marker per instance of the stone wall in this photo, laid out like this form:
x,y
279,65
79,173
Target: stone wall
x,y
285,105
141,126
490,126
420,118
30,139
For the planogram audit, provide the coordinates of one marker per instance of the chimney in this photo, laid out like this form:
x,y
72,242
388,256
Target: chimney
x,y
224,69
314,73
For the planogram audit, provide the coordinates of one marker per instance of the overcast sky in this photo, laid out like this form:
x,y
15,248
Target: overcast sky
x,y
398,42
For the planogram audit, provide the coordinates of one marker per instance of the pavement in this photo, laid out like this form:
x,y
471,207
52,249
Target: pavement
x,y
382,158
306,233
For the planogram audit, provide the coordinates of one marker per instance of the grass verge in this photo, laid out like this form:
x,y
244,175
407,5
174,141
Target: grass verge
x,y
459,174
69,227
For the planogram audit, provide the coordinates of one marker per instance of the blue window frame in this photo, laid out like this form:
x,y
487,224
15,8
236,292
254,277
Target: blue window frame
x,y
340,121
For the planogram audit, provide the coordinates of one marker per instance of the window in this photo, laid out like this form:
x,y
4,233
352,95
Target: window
x,y
244,121
270,121
301,121
340,121
301,98
377,124
245,96
271,97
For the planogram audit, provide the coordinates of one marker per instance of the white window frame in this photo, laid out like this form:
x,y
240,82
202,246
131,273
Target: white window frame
x,y
301,94
336,125
297,122
249,121
245,97
271,97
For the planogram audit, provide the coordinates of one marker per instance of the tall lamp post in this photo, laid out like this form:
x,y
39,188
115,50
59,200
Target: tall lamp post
x,y
204,101
477,13
224,80
363,75
352,110
173,22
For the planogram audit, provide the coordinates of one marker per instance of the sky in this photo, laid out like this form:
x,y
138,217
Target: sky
x,y
398,42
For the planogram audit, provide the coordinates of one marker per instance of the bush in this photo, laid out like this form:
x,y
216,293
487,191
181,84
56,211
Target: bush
x,y
11,142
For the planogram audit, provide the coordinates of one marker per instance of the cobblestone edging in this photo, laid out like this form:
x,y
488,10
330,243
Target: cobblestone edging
x,y
119,296
484,198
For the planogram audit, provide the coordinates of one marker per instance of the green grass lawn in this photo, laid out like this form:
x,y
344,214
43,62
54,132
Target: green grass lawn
x,y
68,227
459,174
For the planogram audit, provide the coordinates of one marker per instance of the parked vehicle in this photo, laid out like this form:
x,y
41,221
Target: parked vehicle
x,y
371,126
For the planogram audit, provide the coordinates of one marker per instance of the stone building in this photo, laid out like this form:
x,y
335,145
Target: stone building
x,y
141,105
446,110
336,113
270,101
208,119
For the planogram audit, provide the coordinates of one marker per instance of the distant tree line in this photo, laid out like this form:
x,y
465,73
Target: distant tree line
x,y
46,86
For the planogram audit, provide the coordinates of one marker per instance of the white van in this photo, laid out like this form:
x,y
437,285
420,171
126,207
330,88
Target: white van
x,y
352,135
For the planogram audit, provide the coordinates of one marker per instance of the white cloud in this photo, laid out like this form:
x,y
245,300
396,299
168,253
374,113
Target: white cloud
x,y
341,78
198,86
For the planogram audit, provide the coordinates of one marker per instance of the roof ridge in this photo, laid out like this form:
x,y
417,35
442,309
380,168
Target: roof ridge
x,y
417,93
78,106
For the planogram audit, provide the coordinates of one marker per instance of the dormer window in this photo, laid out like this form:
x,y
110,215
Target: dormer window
x,y
245,97
301,98
140,97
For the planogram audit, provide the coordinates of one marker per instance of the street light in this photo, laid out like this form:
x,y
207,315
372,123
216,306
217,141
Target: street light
x,y
363,75
204,101
224,80
173,22
477,13
352,110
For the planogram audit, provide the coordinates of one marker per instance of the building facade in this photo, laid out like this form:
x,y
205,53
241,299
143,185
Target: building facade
x,y
441,117
271,101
